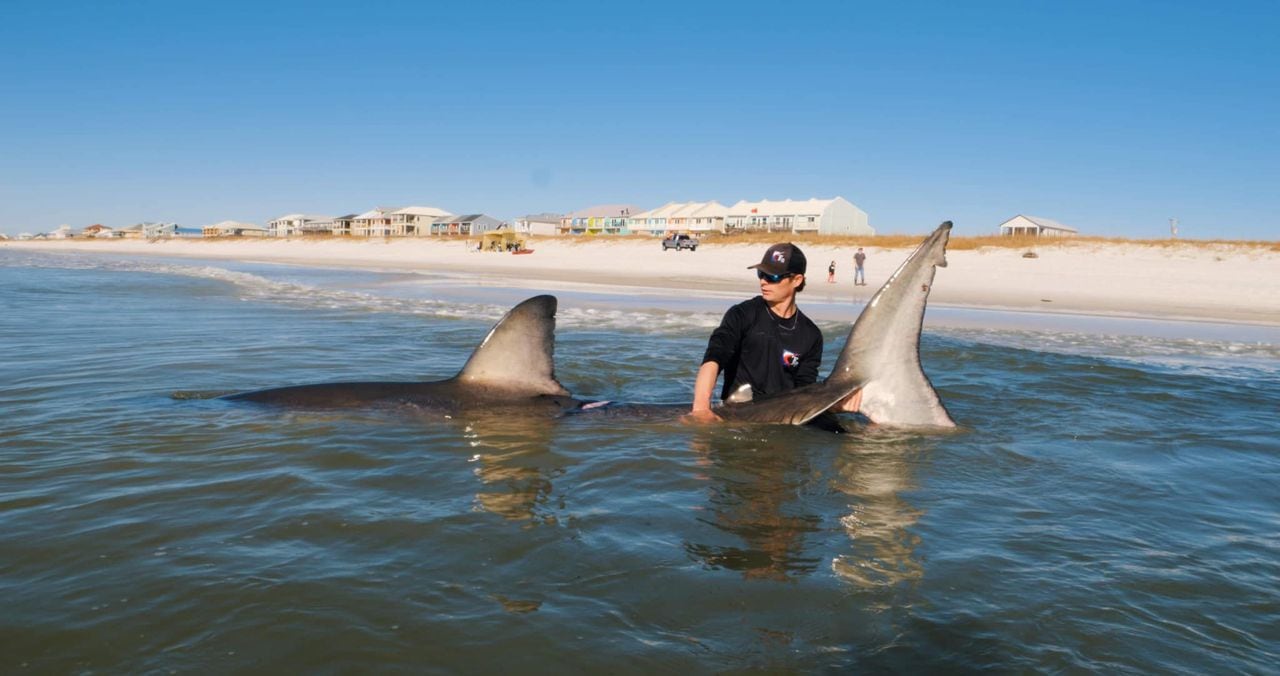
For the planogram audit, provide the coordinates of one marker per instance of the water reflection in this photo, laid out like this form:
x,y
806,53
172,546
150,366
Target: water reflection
x,y
875,473
769,502
753,497
515,465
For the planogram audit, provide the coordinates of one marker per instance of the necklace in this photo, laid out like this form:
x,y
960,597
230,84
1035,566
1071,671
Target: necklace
x,y
778,320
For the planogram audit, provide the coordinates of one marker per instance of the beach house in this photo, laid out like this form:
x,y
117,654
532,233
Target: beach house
x,y
341,226
835,216
602,219
700,217
290,225
375,222
233,229
1036,227
466,225
415,221
538,224
97,230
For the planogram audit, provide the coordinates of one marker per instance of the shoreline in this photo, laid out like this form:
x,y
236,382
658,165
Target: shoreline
x,y
1097,280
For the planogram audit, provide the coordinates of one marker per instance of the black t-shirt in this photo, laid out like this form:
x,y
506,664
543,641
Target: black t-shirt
x,y
754,346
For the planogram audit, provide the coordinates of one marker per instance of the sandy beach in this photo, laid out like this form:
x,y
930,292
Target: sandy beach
x,y
1192,281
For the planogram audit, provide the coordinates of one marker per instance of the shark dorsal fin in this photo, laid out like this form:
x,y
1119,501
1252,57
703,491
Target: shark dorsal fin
x,y
518,352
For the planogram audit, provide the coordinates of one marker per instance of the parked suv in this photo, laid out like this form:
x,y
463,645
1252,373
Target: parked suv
x,y
679,242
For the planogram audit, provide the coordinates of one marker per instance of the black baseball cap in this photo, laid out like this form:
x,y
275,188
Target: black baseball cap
x,y
780,259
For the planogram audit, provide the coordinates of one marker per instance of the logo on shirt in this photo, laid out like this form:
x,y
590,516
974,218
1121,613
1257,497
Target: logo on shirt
x,y
790,359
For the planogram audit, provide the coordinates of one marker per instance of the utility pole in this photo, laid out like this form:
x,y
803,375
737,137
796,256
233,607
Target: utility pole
x,y
1173,227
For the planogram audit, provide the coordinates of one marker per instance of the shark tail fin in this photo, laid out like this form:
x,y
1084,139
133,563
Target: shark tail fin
x,y
518,353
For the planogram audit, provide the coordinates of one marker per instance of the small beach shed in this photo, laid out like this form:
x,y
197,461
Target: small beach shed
x,y
503,240
1035,226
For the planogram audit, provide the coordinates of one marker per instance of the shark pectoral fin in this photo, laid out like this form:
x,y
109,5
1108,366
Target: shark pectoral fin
x,y
794,407
834,396
518,353
742,394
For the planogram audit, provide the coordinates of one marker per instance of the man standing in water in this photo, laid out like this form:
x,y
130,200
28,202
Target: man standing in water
x,y
859,277
766,342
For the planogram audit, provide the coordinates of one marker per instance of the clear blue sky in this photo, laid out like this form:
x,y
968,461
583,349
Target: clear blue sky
x,y
1108,116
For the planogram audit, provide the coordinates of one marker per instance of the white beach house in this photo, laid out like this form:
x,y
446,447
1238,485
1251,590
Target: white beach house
x,y
1035,226
375,222
290,225
341,226
415,221
836,216
160,230
539,224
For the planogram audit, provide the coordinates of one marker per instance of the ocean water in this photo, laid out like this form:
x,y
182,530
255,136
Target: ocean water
x,y
1110,503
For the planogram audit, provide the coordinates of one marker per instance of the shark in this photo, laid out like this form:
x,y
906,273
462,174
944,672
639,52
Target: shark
x,y
514,367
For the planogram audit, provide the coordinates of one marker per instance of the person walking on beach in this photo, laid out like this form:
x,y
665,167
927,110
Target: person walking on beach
x,y
766,342
859,276
831,273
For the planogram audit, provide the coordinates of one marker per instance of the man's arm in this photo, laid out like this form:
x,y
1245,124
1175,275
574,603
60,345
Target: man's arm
x,y
703,387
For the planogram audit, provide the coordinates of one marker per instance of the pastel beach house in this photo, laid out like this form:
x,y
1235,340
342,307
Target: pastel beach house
x,y
602,219
466,225
696,217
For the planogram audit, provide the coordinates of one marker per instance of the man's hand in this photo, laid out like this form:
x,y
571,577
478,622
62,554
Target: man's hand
x,y
700,417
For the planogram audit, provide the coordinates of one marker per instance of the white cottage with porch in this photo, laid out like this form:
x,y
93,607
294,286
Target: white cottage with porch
x,y
375,222
1035,226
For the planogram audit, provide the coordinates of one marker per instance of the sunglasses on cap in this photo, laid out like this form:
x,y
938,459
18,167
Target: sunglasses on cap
x,y
772,278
